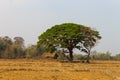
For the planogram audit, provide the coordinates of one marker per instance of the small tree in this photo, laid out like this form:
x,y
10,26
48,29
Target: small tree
x,y
5,45
19,47
91,37
31,51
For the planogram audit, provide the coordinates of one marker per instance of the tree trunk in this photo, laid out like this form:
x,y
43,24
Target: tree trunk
x,y
71,54
88,57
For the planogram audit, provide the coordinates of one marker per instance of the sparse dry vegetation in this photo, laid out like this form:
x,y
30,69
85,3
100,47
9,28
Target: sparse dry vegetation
x,y
54,70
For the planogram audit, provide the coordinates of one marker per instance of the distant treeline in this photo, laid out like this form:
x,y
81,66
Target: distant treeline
x,y
99,56
15,48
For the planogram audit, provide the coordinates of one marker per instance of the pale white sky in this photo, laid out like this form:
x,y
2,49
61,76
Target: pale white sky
x,y
30,18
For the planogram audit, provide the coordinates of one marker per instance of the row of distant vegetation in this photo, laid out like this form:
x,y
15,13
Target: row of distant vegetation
x,y
61,40
15,48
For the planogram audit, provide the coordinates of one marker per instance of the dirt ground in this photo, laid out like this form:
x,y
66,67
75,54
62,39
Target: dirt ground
x,y
54,70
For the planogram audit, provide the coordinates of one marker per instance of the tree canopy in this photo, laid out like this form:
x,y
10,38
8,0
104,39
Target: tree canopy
x,y
68,36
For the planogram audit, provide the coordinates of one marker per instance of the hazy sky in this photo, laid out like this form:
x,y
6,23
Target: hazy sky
x,y
30,18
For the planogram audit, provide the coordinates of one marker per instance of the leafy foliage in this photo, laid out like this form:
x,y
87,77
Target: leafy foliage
x,y
68,36
15,48
91,37
64,35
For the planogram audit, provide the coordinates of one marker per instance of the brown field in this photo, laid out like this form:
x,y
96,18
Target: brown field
x,y
54,70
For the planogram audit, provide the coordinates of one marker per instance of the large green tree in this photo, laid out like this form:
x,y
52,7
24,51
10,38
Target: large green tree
x,y
65,36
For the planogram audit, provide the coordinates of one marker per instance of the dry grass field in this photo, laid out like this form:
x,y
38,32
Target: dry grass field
x,y
54,70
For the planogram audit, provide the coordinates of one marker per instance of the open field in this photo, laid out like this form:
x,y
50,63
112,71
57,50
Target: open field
x,y
53,70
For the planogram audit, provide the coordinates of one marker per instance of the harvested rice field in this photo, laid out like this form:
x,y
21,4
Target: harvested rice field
x,y
55,70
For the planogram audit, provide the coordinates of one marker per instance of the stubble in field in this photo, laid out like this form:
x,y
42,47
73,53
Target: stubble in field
x,y
53,70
